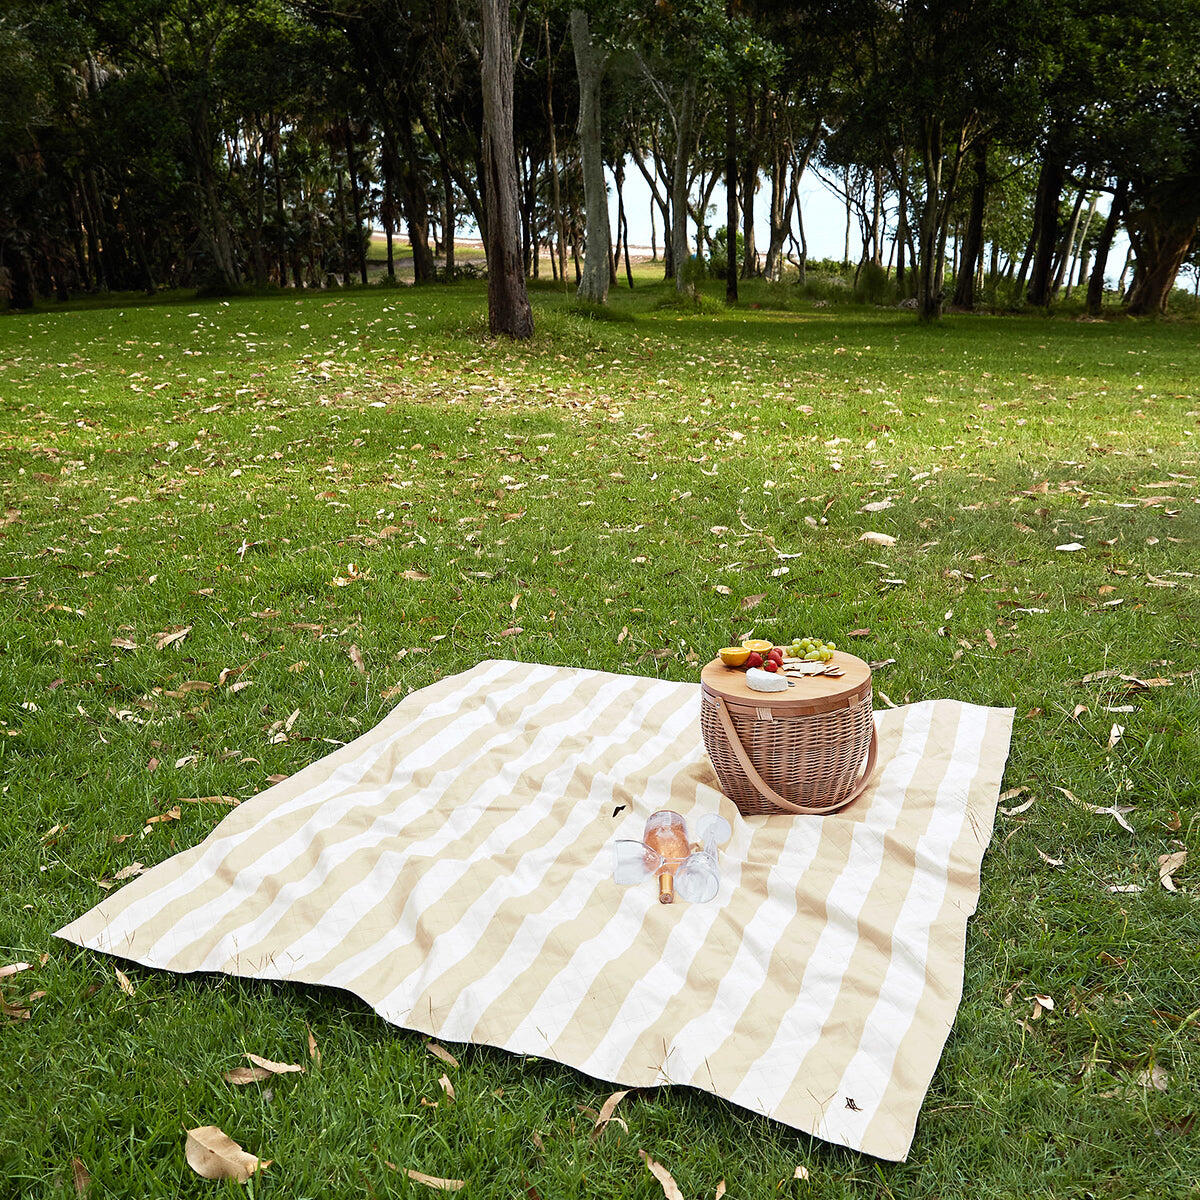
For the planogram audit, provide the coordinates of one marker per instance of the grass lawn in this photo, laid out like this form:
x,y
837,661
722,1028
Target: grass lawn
x,y
363,477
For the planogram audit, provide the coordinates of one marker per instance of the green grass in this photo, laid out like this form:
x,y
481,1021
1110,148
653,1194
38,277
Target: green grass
x,y
221,465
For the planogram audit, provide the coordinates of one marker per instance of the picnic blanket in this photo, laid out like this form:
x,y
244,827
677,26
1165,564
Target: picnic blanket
x,y
452,867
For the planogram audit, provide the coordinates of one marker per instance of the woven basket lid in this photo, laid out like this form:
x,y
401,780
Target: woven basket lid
x,y
811,693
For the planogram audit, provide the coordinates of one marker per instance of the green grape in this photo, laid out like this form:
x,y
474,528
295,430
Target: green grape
x,y
812,656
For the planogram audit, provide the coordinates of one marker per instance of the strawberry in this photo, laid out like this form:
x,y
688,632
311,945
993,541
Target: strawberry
x,y
770,665
755,659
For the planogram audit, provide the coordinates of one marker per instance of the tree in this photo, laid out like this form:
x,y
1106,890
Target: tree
x,y
589,65
508,303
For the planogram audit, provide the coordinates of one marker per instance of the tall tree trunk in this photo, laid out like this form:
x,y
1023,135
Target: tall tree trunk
x,y
876,212
449,221
731,204
622,222
1081,251
1161,235
360,246
554,184
679,186
1095,292
508,302
280,215
964,283
931,252
749,187
597,264
902,232
1049,188
1068,244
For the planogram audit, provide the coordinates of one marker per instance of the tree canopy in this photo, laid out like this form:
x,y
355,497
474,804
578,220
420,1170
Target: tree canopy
x,y
221,144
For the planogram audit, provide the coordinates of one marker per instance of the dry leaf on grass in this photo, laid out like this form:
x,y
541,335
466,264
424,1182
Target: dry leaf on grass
x,y
120,643
1069,546
1115,734
80,1176
442,1053
1168,864
877,539
314,1051
123,982
801,1172
665,1178
275,1068
446,1086
240,1075
213,1154
14,969
1012,794
1116,811
445,1185
749,602
357,659
606,1113
1054,862
171,637
1154,1078
720,1190
230,801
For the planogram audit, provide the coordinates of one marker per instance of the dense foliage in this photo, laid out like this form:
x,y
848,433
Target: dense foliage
x,y
232,143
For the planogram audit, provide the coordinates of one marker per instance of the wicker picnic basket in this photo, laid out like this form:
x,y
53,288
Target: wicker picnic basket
x,y
799,751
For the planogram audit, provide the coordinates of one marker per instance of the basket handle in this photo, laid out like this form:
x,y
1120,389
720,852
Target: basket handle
x,y
765,790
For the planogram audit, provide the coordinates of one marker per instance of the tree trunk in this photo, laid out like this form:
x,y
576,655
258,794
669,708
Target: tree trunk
x,y
1095,292
931,251
749,187
1081,256
554,184
593,287
1049,188
731,204
679,186
1161,237
964,284
622,221
1068,244
508,302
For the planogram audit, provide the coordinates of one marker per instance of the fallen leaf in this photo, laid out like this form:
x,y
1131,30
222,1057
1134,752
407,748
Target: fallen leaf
x,y
1168,864
1115,734
859,633
1154,1077
172,814
14,968
606,1113
446,1185
446,1086
722,590
1125,887
357,659
275,1068
171,637
669,1186
81,1176
228,801
801,1172
1069,546
314,1051
134,868
1078,711
213,1154
123,982
720,1190
749,602
877,539
442,1053
1047,1002
1116,811
991,638
240,1075
876,506
119,643
1019,808
1054,862
414,575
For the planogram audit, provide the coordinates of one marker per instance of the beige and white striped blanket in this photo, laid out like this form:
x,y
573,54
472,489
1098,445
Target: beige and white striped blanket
x,y
452,868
